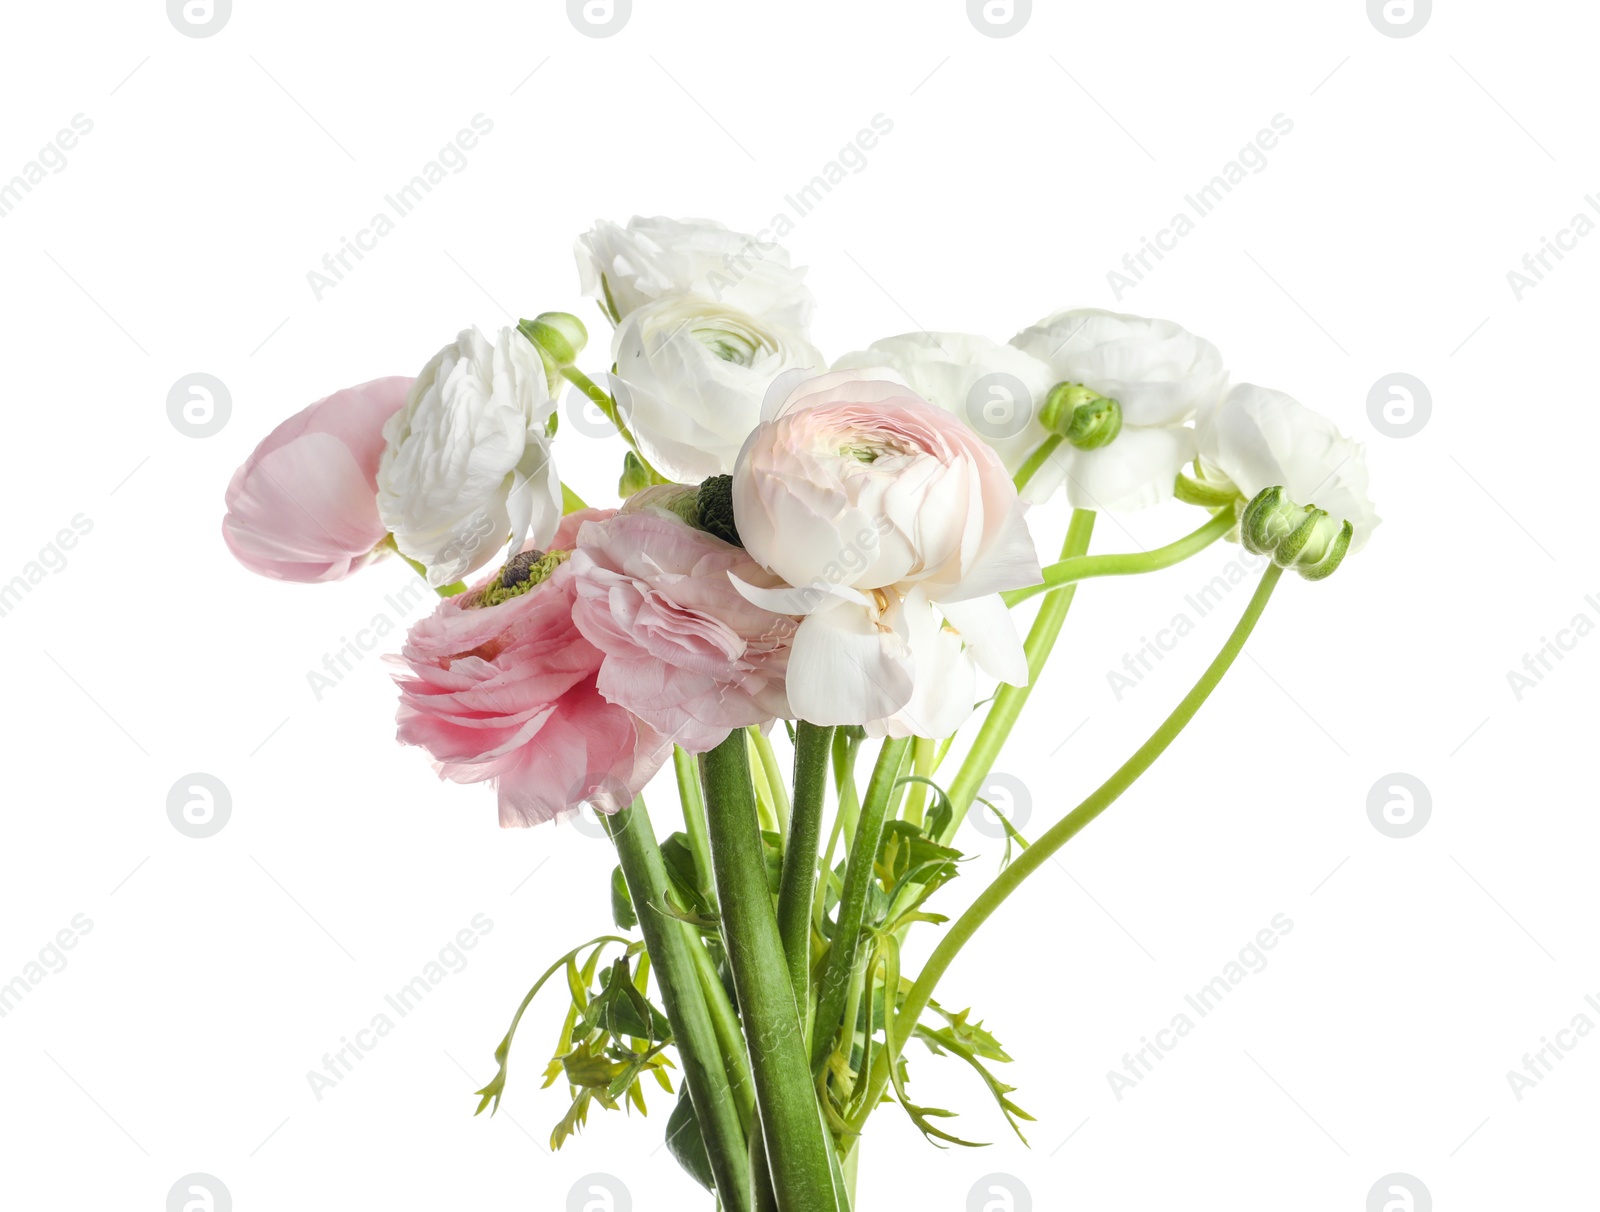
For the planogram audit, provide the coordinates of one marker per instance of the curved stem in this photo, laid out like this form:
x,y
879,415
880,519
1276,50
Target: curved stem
x,y
669,941
798,1149
858,877
812,745
1009,700
1064,830
1081,568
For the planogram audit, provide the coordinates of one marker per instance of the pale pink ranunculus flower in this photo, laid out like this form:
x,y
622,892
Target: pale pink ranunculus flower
x,y
684,650
304,505
896,527
508,693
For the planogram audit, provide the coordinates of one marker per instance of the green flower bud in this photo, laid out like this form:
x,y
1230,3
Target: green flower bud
x,y
1301,537
521,573
634,476
1212,494
558,336
716,509
1081,415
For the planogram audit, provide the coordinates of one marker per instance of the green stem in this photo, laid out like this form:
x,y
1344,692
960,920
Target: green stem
x,y
845,747
694,818
730,1039
773,774
1064,830
669,941
1081,568
797,1146
1010,700
1036,460
924,757
812,745
858,876
603,401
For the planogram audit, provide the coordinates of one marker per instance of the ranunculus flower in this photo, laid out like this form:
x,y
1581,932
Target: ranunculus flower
x,y
1161,374
651,259
690,377
507,692
1258,438
883,513
468,469
996,389
684,650
304,505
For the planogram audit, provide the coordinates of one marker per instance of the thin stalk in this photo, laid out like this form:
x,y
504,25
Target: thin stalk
x,y
603,401
669,941
798,1149
730,1039
924,757
1009,700
773,774
812,745
1081,568
694,817
845,748
858,877
1062,832
1036,461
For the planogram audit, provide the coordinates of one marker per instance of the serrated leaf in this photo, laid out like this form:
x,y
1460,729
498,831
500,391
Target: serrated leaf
x,y
495,1090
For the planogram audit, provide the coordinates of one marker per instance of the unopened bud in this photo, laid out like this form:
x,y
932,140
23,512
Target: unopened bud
x,y
1081,415
1302,537
558,336
634,476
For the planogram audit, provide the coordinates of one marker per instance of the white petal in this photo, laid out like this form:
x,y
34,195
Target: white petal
x,y
845,669
991,637
1136,471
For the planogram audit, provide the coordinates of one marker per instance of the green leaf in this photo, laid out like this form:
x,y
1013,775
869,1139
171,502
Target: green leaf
x,y
495,1090
946,1041
622,902
686,1144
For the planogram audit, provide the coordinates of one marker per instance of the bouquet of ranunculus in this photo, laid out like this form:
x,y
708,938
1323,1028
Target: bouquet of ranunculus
x,y
831,559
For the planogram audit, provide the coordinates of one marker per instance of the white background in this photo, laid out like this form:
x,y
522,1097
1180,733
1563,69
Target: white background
x,y
178,238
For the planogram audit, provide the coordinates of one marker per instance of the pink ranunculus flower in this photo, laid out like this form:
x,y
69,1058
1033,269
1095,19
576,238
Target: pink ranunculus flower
x,y
896,527
507,692
304,505
685,651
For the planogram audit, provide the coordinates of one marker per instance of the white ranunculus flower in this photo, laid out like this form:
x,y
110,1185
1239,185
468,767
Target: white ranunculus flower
x,y
1258,438
650,259
690,378
1162,375
996,389
897,527
467,469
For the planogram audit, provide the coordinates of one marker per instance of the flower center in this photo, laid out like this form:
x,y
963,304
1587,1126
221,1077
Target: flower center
x,y
733,341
